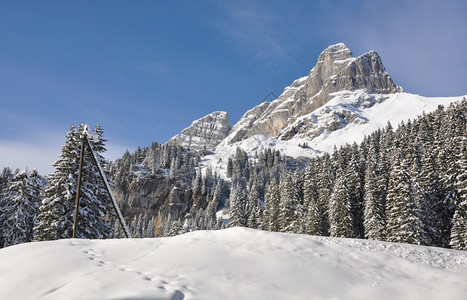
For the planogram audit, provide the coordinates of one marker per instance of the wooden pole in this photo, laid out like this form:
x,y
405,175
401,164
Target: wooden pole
x,y
126,231
80,173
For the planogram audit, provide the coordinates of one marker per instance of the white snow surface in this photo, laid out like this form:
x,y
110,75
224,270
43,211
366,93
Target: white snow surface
x,y
371,112
236,263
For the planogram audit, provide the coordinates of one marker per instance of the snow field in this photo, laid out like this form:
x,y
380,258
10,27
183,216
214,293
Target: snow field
x,y
236,263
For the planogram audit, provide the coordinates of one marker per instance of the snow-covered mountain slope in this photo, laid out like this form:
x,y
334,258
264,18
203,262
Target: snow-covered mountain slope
x,y
342,99
207,131
336,70
346,118
236,263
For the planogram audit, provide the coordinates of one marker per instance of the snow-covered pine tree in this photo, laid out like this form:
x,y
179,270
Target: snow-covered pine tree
x,y
325,185
252,207
289,206
353,174
436,209
314,212
403,205
21,208
57,209
238,201
210,213
56,217
340,215
95,204
374,211
459,221
197,183
271,207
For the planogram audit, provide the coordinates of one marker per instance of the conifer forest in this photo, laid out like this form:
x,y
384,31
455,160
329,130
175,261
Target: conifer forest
x,y
404,183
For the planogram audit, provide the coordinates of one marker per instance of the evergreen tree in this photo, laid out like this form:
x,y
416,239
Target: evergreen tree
x,y
403,206
435,208
237,206
340,215
57,209
353,175
374,213
314,212
271,208
253,207
197,183
21,208
229,167
289,206
459,221
325,187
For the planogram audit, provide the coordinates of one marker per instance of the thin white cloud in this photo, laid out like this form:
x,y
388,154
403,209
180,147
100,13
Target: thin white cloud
x,y
40,153
24,155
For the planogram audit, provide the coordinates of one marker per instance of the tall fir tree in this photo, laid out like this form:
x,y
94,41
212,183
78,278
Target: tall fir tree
x,y
271,207
289,206
314,212
354,180
238,201
325,186
459,221
58,206
340,214
21,208
374,210
403,206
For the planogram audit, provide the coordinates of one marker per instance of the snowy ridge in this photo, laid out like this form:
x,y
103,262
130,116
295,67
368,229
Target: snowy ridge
x,y
342,99
236,263
347,118
207,131
336,70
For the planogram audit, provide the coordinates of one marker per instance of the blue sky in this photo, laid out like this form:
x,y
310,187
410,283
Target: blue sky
x,y
146,69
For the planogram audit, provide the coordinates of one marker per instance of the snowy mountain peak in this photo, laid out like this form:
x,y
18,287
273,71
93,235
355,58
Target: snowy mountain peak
x,y
342,99
207,131
339,49
334,55
336,70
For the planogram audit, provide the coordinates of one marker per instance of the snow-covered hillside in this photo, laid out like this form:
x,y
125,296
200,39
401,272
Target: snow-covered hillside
x,y
342,99
346,118
236,263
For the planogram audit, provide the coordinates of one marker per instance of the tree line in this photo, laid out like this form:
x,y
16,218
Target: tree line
x,y
400,185
407,185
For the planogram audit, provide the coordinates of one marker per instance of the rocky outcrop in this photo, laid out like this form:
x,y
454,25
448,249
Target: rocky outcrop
x,y
155,195
336,70
246,122
205,132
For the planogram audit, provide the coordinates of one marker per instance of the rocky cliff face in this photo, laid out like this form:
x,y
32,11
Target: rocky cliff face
x,y
205,132
336,70
153,194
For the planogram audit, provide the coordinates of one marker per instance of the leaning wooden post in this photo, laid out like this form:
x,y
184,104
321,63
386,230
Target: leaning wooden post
x,y
126,231
80,173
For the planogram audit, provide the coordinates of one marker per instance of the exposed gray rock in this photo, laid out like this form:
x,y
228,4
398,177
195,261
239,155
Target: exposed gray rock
x,y
156,196
336,70
205,132
246,121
